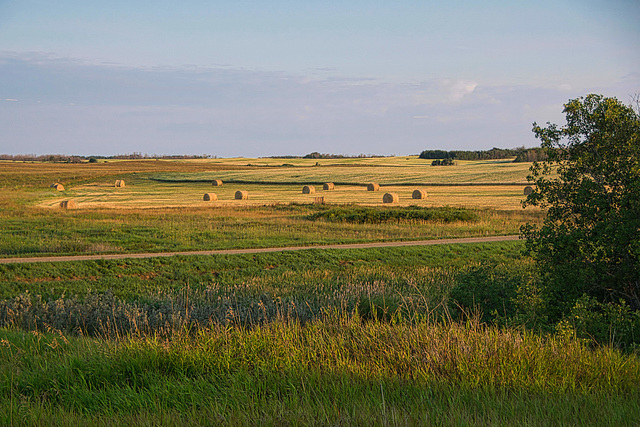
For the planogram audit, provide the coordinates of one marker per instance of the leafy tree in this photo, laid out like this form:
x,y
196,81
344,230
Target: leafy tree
x,y
589,242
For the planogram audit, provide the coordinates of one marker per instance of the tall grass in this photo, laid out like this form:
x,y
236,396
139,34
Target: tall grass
x,y
336,369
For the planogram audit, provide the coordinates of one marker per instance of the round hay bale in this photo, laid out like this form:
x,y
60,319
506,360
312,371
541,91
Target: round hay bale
x,y
419,194
242,195
390,198
216,183
210,197
308,189
68,204
373,187
57,186
120,183
328,186
528,190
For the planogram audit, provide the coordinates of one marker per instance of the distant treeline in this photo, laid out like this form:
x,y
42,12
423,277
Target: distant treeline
x,y
521,154
61,158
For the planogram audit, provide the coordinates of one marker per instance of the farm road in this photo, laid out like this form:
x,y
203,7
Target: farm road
x,y
260,250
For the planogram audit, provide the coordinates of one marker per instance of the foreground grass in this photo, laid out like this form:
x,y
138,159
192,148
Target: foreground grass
x,y
335,370
352,337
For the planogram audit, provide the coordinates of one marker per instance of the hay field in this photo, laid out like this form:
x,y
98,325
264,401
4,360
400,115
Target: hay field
x,y
385,171
150,194
495,184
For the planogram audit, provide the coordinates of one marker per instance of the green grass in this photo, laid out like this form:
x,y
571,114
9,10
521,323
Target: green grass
x,y
31,231
283,274
412,214
334,370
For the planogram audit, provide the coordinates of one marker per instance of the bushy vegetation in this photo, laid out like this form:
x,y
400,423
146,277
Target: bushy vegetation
x,y
443,162
588,243
412,214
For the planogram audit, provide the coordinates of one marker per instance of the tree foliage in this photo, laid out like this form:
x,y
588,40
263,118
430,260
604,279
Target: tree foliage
x,y
589,242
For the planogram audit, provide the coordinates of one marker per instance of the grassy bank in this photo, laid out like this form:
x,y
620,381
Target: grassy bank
x,y
335,370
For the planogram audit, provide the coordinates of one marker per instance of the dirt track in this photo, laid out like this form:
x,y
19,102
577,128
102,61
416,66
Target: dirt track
x,y
259,250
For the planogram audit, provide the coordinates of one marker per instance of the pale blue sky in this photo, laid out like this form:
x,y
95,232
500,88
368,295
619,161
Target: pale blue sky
x,y
250,78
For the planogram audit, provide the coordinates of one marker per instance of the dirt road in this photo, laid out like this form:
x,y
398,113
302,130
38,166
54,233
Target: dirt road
x,y
259,250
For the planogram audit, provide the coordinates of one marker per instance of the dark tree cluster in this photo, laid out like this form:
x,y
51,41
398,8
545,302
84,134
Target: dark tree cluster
x,y
443,162
493,154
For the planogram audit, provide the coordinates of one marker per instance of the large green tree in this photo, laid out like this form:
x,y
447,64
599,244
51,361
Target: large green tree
x,y
589,242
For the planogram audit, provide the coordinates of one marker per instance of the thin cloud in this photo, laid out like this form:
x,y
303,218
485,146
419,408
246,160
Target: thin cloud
x,y
239,112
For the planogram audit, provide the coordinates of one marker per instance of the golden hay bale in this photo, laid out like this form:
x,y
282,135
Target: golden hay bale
x,y
217,183
390,198
57,186
318,200
328,186
68,204
373,187
419,194
308,189
528,190
242,195
210,197
120,183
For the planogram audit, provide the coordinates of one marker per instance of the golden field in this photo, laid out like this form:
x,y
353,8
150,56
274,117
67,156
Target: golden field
x,y
496,184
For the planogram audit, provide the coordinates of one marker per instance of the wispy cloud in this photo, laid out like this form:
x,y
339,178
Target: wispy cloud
x,y
229,112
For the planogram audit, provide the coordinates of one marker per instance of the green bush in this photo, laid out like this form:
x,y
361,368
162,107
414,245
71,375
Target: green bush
x,y
503,294
614,324
371,215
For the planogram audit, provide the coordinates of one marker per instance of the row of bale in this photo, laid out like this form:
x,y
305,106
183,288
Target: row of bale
x,y
307,189
70,204
328,186
310,189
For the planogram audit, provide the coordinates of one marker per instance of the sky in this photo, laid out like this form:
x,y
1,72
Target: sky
x,y
250,78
